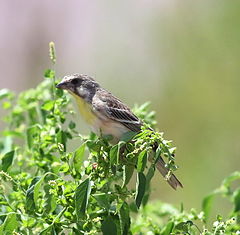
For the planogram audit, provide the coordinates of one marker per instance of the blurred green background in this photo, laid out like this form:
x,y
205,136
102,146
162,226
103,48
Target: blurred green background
x,y
183,56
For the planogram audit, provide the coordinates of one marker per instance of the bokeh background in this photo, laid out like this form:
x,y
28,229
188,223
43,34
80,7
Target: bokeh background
x,y
183,56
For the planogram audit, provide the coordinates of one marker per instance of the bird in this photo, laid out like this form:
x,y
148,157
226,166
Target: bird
x,y
107,114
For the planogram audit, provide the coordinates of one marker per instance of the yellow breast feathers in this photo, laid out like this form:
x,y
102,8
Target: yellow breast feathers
x,y
85,109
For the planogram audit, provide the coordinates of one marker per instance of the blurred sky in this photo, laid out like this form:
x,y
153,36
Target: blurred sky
x,y
183,56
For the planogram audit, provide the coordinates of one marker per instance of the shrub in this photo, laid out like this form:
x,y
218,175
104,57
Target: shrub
x,y
45,189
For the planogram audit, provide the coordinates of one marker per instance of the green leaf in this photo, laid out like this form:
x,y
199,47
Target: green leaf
x,y
128,136
142,161
48,231
149,176
103,200
182,226
7,143
72,125
236,198
50,201
30,198
93,146
32,133
49,73
33,192
140,188
109,227
207,201
6,105
5,93
7,160
124,219
76,232
78,157
62,139
158,153
37,188
33,115
81,197
127,174
168,228
114,153
10,224
234,176
219,218
48,105
207,204
12,133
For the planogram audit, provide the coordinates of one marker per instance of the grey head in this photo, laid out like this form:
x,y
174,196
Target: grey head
x,y
79,84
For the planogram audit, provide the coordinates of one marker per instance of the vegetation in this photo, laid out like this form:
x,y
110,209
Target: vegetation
x,y
45,189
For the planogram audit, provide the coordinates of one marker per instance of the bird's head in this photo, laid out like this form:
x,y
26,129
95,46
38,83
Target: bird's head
x,y
80,85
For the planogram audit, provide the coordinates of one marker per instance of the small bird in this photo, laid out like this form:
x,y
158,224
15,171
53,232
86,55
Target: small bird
x,y
106,114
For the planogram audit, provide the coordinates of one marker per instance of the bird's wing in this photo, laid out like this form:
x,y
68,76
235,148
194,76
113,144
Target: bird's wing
x,y
110,106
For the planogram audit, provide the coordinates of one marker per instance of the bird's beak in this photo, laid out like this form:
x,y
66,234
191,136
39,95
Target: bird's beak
x,y
62,85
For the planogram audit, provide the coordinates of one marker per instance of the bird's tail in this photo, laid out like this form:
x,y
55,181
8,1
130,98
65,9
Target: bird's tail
x,y
173,180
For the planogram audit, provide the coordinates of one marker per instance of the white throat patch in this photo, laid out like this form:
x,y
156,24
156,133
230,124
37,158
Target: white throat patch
x,y
83,92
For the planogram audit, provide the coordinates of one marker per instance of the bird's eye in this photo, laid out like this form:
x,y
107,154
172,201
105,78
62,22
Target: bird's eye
x,y
75,81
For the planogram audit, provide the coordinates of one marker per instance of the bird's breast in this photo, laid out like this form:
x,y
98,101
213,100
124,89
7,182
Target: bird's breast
x,y
99,123
109,127
85,110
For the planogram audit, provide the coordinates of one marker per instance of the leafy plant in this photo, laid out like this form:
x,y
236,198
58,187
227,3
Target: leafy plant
x,y
46,189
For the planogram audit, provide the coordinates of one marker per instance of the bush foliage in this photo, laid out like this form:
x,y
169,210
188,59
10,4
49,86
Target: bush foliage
x,y
45,189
